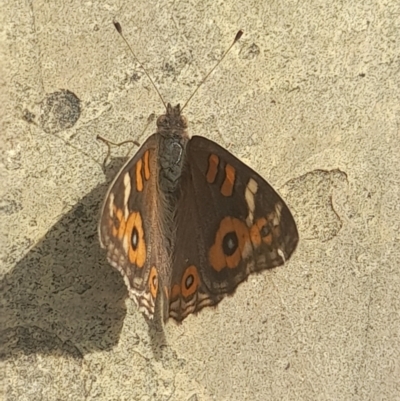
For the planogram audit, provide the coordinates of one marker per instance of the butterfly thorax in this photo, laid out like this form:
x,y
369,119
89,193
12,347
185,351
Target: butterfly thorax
x,y
173,138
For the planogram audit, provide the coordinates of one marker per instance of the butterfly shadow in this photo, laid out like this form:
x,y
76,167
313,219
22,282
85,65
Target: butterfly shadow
x,y
63,296
158,341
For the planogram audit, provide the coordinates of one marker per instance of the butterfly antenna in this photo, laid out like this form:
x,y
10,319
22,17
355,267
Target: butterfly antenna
x,y
237,37
118,27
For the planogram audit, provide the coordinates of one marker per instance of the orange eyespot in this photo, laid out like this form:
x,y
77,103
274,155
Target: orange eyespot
x,y
190,281
261,231
134,235
153,281
230,244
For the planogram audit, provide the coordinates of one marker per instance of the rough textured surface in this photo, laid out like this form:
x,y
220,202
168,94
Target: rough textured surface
x,y
310,97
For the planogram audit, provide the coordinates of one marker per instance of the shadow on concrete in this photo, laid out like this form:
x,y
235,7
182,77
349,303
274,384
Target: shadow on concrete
x,y
63,296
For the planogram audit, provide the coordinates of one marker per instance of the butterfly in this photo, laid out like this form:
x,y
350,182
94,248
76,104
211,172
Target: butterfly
x,y
186,222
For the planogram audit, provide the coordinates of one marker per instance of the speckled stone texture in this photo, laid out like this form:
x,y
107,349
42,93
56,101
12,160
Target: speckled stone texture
x,y
309,97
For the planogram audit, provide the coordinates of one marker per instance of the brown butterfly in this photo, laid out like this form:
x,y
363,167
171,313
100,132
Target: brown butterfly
x,y
186,221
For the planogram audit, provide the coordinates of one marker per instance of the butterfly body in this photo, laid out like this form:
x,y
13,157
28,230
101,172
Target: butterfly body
x,y
186,221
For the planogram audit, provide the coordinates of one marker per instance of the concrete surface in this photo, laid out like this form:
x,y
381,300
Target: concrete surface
x,y
312,90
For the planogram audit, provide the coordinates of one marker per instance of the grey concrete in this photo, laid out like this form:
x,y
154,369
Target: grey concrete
x,y
309,97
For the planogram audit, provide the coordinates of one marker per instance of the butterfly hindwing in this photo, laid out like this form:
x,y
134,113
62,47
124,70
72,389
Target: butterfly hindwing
x,y
229,223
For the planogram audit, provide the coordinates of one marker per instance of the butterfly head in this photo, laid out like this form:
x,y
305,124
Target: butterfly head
x,y
172,119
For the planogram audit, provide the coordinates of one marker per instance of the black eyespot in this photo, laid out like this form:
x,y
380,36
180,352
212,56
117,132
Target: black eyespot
x,y
230,243
265,230
189,281
135,238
